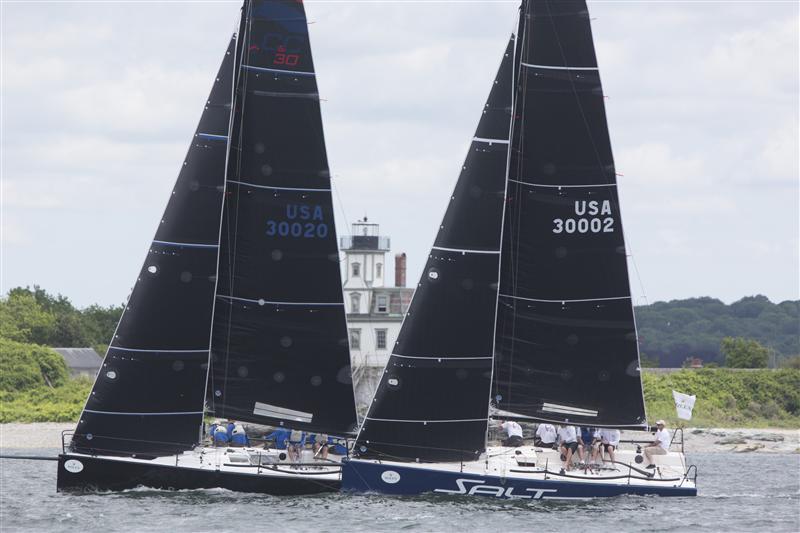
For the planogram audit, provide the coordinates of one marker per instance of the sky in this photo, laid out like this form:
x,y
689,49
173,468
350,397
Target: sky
x,y
100,100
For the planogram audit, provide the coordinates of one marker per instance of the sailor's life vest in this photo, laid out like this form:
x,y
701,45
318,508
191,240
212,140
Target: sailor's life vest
x,y
221,434
239,435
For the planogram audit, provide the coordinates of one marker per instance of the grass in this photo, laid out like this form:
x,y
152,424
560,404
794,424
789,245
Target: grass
x,y
725,398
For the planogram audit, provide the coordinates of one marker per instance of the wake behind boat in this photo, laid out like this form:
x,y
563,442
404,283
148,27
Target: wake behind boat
x,y
238,309
524,310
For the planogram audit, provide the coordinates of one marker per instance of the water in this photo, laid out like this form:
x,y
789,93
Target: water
x,y
738,492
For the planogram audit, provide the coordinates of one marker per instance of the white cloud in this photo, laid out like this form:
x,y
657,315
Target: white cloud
x,y
100,101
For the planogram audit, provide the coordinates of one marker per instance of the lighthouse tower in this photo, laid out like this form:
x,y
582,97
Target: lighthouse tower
x,y
374,310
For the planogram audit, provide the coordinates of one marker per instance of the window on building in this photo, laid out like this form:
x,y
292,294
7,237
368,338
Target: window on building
x,y
378,270
356,269
355,303
382,303
355,339
380,339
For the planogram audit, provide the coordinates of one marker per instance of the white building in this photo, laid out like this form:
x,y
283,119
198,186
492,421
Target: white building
x,y
374,310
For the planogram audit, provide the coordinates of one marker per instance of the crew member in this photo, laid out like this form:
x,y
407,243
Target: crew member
x,y
660,446
239,435
568,438
514,432
545,436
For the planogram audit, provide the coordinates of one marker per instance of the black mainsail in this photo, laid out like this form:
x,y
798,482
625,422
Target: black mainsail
x,y
280,352
566,347
148,396
431,403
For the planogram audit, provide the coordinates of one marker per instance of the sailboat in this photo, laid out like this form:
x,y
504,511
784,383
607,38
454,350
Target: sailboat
x,y
238,309
523,311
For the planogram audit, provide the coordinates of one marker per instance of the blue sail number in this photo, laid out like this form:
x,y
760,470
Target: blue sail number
x,y
301,221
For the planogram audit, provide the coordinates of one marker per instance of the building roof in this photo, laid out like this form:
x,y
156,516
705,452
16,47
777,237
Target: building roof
x,y
80,357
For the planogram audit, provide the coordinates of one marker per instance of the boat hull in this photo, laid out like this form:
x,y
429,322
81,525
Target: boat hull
x,y
395,478
77,472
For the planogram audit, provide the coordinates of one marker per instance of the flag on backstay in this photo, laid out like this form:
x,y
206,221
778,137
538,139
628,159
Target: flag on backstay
x,y
684,404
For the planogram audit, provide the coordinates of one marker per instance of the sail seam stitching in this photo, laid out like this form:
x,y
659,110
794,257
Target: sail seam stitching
x,y
566,300
556,67
279,71
276,188
186,244
143,414
465,251
563,186
275,302
426,421
204,350
439,358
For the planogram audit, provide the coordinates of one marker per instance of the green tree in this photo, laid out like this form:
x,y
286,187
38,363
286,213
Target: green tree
x,y
22,319
647,361
24,366
744,353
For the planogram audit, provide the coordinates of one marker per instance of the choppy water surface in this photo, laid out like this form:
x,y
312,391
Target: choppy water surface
x,y
738,492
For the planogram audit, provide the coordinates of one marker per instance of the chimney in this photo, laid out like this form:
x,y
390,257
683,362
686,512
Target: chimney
x,y
400,270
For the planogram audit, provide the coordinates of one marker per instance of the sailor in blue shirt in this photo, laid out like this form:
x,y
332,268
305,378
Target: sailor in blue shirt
x,y
239,435
221,436
280,436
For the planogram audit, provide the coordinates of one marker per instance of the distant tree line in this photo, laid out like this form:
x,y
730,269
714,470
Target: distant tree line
x,y
750,333
34,316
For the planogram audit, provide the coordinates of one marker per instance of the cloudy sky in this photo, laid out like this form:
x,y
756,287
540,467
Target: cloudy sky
x,y
100,99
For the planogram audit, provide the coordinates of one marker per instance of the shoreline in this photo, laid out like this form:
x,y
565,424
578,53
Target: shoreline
x,y
697,440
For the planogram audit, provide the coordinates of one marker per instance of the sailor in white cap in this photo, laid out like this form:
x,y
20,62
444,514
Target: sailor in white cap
x,y
660,446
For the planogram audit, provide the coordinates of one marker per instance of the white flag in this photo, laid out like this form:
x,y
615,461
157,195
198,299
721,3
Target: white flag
x,y
684,404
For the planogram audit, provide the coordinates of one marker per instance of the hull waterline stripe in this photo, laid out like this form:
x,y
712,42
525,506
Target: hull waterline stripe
x,y
213,137
278,71
248,184
490,141
265,302
186,244
565,301
427,421
563,186
441,358
204,350
556,67
465,251
143,414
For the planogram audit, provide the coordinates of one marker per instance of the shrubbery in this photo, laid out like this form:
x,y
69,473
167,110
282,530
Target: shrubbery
x,y
728,398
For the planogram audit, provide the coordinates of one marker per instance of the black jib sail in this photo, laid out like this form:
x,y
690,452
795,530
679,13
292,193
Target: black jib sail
x,y
279,345
148,395
566,346
431,403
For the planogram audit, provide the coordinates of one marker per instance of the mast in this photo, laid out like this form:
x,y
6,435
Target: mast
x,y
279,341
566,347
431,402
148,395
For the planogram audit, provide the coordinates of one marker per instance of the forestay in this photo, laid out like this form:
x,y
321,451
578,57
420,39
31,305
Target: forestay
x,y
279,345
431,403
566,341
148,395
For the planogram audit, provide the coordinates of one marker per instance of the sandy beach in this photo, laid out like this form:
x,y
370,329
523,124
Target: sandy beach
x,y
698,440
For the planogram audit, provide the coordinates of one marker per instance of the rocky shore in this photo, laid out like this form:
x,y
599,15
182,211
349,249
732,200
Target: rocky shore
x,y
697,440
